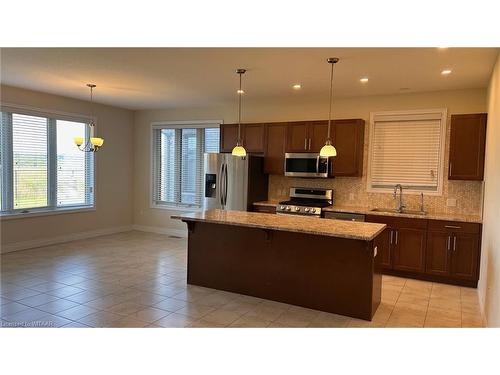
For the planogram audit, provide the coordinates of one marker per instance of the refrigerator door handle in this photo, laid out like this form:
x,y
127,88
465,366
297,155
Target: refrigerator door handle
x,y
221,195
225,184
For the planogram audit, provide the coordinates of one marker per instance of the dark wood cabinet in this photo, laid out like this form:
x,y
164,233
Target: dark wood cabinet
x,y
436,250
274,155
252,136
438,253
318,133
465,256
383,243
228,137
467,147
409,249
348,139
297,139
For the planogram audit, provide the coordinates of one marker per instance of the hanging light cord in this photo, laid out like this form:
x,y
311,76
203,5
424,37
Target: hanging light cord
x,y
239,112
331,102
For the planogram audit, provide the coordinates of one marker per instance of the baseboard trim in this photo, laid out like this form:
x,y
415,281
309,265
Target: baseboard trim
x,y
160,230
24,245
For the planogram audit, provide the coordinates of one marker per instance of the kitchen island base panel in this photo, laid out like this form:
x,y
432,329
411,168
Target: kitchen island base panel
x,y
331,274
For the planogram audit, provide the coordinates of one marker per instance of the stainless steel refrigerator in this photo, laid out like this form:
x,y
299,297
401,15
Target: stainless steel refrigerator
x,y
232,182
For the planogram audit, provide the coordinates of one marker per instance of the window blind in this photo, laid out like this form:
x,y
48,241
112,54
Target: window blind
x,y
178,163
406,152
30,161
41,168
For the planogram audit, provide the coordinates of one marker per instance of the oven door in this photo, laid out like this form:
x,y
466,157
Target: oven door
x,y
306,165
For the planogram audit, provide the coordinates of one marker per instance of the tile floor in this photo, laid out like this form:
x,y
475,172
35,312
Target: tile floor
x,y
138,279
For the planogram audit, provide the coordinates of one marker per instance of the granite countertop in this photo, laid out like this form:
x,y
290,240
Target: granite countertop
x,y
368,211
289,223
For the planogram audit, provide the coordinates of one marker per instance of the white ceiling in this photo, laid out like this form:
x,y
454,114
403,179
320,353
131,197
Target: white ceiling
x,y
148,78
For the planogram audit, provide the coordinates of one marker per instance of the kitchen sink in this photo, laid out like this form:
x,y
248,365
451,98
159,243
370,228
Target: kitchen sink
x,y
394,211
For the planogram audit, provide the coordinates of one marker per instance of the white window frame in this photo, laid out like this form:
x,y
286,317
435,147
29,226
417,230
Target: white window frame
x,y
411,115
53,116
182,124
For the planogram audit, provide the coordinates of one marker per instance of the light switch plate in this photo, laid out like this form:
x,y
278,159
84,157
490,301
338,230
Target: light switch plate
x,y
451,202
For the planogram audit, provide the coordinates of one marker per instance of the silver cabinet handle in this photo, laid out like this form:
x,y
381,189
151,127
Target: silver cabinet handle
x,y
305,143
448,243
397,237
309,143
454,243
391,236
450,169
452,227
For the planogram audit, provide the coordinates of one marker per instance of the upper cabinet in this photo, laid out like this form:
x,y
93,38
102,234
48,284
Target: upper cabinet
x,y
274,160
252,135
274,139
348,139
228,137
467,146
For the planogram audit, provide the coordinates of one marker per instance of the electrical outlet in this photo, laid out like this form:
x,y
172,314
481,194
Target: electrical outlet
x,y
351,196
451,202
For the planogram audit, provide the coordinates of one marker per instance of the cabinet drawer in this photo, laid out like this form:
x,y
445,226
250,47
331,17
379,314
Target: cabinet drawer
x,y
454,226
264,209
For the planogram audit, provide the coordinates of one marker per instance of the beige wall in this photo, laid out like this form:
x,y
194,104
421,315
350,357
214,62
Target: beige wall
x,y
114,172
295,108
489,282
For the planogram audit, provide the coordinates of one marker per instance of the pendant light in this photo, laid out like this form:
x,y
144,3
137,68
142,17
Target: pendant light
x,y
239,150
93,144
328,150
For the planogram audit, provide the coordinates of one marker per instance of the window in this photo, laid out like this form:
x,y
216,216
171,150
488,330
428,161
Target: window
x,y
407,148
41,168
178,162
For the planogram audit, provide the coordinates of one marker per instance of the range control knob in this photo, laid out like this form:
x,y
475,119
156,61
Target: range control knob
x,y
313,210
282,207
287,208
297,209
306,209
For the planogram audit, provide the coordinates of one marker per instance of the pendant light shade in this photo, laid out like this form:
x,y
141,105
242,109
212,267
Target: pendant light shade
x,y
94,143
239,150
328,150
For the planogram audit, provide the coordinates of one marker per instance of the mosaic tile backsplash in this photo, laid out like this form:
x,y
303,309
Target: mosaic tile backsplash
x,y
468,194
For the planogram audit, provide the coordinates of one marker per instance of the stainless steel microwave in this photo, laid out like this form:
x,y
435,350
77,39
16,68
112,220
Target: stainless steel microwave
x,y
306,165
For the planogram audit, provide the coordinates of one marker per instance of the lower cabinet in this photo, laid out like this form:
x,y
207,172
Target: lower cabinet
x,y
429,249
409,249
453,254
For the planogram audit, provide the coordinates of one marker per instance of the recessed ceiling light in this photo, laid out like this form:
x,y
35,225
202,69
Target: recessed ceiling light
x,y
363,80
240,91
297,86
446,72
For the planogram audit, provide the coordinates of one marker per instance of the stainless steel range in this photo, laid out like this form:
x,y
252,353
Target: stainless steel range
x,y
306,201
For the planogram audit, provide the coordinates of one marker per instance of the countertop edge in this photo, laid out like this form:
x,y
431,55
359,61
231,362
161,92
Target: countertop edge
x,y
463,218
261,226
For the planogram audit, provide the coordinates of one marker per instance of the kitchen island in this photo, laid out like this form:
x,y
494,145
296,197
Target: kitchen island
x,y
327,265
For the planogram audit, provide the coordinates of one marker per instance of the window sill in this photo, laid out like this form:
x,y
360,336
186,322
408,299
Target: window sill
x,y
176,208
58,211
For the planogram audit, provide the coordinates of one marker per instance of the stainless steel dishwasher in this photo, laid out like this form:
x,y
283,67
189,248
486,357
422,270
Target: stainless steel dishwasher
x,y
344,216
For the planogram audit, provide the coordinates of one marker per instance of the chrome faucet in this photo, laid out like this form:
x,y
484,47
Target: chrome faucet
x,y
401,205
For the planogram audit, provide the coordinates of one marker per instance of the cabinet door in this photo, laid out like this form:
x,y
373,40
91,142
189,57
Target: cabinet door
x,y
438,253
229,136
274,157
254,138
464,258
297,137
318,132
467,144
409,249
348,139
383,243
